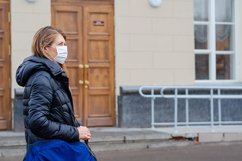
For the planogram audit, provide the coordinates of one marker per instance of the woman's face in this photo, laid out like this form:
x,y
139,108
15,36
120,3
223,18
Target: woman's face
x,y
59,41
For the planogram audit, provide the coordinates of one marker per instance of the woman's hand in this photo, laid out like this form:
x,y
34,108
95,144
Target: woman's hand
x,y
84,133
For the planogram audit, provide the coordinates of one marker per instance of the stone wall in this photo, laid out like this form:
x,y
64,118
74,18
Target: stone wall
x,y
135,110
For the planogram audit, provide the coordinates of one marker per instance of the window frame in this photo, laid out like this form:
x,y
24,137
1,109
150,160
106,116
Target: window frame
x,y
211,51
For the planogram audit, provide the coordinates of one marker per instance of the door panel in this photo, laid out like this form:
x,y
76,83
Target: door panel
x,y
69,18
5,105
90,39
99,55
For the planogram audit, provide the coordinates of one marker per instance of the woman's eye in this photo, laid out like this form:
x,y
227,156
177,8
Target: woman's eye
x,y
62,44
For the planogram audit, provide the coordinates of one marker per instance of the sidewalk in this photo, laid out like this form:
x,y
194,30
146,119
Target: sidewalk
x,y
13,144
207,133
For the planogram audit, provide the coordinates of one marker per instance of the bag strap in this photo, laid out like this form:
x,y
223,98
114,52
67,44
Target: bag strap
x,y
90,150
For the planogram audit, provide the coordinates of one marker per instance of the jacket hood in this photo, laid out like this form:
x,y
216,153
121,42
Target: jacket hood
x,y
33,64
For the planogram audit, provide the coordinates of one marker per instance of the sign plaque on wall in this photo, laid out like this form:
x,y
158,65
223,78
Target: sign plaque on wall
x,y
98,23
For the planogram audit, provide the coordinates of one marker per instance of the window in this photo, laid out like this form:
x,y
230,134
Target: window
x,y
214,41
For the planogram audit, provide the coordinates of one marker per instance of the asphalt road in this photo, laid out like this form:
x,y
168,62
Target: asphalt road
x,y
200,152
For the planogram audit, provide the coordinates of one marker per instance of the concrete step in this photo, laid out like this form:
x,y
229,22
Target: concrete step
x,y
103,139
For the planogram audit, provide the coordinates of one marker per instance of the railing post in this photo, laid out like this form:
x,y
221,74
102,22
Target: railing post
x,y
211,110
152,109
219,109
176,111
187,108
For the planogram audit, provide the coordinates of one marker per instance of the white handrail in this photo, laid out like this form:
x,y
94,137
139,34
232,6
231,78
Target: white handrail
x,y
184,92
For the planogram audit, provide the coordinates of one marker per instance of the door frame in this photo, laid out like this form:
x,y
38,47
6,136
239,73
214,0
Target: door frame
x,y
6,120
83,3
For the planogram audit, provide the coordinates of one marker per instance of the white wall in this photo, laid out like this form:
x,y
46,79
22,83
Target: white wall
x,y
238,38
154,46
26,19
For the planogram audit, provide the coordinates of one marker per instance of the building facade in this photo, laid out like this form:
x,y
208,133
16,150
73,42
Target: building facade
x,y
117,43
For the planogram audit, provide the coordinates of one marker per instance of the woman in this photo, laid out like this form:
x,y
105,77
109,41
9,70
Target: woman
x,y
51,129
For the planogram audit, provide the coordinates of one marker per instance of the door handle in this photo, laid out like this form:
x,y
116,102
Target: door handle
x,y
86,82
81,66
81,82
86,66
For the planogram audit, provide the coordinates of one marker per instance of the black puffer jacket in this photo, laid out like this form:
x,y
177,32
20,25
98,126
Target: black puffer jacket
x,y
48,106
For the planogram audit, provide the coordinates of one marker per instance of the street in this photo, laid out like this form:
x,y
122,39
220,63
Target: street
x,y
205,152
201,152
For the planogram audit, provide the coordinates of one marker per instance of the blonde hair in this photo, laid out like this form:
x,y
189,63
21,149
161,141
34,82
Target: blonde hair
x,y
43,38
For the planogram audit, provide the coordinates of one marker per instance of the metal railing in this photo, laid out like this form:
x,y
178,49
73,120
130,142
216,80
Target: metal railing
x,y
191,92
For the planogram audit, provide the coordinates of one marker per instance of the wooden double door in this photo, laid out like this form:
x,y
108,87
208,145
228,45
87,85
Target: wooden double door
x,y
89,26
5,87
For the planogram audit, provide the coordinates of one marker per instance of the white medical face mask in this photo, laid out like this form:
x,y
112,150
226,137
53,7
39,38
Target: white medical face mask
x,y
62,54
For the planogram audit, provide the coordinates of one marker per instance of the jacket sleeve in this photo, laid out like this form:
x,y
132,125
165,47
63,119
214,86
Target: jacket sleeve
x,y
39,108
